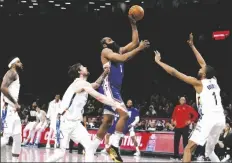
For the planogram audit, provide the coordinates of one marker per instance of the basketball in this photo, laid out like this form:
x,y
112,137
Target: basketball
x,y
136,12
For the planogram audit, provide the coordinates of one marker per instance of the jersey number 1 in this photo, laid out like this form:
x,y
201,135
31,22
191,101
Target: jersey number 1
x,y
215,97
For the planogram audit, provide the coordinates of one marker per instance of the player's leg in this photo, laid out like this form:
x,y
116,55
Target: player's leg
x,y
39,132
29,127
191,146
108,139
133,137
50,134
212,141
107,144
106,124
117,136
198,137
17,137
60,152
85,139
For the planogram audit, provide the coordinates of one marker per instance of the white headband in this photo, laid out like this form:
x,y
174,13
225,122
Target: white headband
x,y
13,61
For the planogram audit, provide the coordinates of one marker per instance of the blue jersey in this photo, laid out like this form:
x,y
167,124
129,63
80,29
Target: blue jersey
x,y
116,74
133,112
111,87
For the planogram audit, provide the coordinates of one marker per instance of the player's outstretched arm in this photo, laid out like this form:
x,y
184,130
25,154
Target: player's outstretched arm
x,y
102,98
200,59
7,80
99,81
172,71
135,37
110,55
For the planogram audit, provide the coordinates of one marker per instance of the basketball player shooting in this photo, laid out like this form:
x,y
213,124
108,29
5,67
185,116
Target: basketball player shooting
x,y
212,118
114,56
72,109
9,100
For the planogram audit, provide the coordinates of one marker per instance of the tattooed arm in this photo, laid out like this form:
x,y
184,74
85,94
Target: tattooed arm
x,y
10,77
99,81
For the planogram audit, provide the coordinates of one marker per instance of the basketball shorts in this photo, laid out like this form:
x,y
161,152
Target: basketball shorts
x,y
113,93
12,123
209,127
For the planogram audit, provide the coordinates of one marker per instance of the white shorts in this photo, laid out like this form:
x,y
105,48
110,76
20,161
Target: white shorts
x,y
76,131
12,125
209,127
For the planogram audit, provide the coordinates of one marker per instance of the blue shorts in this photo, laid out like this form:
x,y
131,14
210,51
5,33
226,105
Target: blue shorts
x,y
113,93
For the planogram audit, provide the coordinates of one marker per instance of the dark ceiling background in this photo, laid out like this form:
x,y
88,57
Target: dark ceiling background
x,y
49,39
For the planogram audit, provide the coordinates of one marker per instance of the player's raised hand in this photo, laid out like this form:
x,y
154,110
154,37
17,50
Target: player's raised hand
x,y
157,56
132,20
190,41
144,44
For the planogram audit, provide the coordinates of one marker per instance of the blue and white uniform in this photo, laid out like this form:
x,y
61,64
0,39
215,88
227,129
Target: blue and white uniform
x,y
111,87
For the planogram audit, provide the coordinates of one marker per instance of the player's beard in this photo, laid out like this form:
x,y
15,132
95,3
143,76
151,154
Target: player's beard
x,y
19,69
114,47
199,76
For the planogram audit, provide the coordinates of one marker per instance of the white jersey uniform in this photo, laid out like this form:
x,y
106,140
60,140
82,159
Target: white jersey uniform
x,y
14,89
70,126
212,118
12,124
53,110
75,102
209,100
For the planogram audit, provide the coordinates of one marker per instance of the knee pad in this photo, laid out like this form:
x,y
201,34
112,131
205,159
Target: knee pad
x,y
17,140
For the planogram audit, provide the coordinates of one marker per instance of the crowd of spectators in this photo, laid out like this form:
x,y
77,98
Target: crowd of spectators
x,y
155,113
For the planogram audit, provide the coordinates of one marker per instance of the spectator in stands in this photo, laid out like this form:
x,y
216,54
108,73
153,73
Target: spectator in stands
x,y
183,115
141,125
152,126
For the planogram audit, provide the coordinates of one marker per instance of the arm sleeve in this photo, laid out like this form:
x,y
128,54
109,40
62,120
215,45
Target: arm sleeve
x,y
135,121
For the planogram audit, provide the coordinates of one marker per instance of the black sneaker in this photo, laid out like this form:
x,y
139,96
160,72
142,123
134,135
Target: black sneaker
x,y
114,154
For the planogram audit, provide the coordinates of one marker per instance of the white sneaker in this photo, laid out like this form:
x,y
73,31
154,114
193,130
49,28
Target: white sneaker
x,y
226,158
48,146
200,158
137,153
104,151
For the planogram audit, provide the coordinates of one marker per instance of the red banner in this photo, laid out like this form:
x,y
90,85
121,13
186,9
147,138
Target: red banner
x,y
157,142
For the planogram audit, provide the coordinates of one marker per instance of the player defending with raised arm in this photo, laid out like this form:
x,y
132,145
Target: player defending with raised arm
x,y
9,102
72,109
208,102
113,56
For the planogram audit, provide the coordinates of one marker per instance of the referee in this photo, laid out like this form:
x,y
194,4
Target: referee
x,y
183,115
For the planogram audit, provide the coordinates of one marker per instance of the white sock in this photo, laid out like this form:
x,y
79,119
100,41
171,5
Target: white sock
x,y
116,138
95,143
15,159
137,149
213,157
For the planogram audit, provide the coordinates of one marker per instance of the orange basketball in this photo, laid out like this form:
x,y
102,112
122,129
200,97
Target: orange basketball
x,y
136,12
